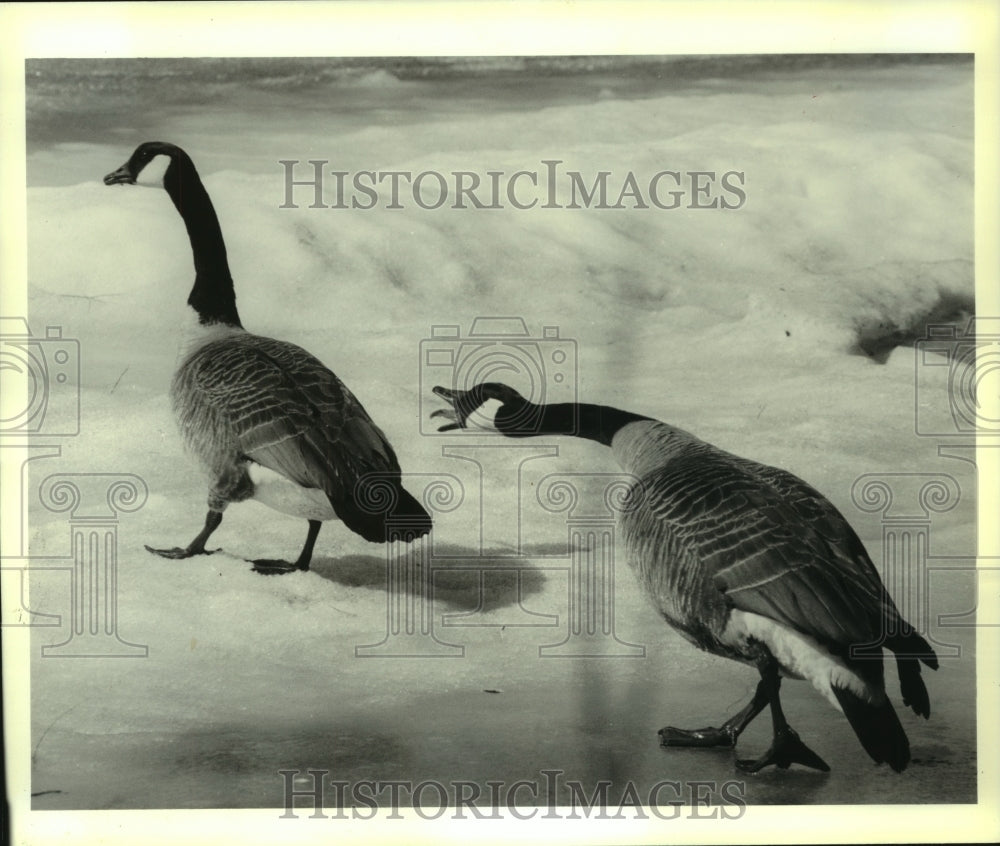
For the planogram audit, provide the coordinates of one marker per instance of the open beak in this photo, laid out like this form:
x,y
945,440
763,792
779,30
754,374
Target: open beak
x,y
461,408
122,176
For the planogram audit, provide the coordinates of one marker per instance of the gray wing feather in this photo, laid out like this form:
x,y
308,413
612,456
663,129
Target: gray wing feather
x,y
288,412
771,544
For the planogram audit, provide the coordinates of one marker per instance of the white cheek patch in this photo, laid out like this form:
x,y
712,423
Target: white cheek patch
x,y
483,417
151,176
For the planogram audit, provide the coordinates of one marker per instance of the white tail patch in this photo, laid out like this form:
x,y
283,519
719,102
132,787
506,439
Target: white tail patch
x,y
275,491
799,655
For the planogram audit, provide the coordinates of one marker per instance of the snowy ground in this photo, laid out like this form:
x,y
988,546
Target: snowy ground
x,y
742,326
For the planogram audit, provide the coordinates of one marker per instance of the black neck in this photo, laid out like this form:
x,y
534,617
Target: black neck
x,y
213,295
582,420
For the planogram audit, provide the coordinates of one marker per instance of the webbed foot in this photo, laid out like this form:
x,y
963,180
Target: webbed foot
x,y
276,567
177,552
787,749
670,736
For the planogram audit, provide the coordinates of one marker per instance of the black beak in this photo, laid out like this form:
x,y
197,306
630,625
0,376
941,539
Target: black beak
x,y
463,404
121,176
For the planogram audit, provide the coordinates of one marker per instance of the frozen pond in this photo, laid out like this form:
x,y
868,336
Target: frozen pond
x,y
768,329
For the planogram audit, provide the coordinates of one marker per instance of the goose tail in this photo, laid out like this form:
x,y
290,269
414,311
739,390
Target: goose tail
x,y
877,727
409,520
912,686
384,511
912,650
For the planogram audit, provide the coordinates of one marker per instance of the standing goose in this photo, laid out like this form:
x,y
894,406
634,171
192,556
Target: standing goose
x,y
748,562
266,419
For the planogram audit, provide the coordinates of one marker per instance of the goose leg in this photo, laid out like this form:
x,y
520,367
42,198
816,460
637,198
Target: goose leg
x,y
277,567
724,735
786,748
197,546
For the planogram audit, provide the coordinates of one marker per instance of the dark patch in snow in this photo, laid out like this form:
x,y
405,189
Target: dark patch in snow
x,y
878,338
395,276
468,582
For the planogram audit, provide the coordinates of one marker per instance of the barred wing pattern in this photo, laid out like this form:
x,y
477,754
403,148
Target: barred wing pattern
x,y
852,569
249,397
759,539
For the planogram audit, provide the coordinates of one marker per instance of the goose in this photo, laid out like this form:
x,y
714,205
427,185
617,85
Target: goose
x,y
745,561
266,419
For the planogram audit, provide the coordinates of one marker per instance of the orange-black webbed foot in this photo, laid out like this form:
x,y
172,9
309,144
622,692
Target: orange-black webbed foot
x,y
177,553
703,737
276,567
787,749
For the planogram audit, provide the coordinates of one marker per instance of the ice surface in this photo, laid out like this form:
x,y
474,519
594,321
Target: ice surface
x,y
741,326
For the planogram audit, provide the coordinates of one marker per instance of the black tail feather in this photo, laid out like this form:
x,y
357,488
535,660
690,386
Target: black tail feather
x,y
911,645
911,649
912,686
390,515
409,520
878,728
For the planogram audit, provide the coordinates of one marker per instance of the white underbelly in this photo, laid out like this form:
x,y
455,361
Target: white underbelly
x,y
800,656
275,491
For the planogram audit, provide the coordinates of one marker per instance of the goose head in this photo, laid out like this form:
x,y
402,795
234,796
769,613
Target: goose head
x,y
515,415
151,160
